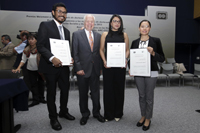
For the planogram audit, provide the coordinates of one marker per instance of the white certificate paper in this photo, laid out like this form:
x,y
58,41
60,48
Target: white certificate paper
x,y
61,50
116,54
140,62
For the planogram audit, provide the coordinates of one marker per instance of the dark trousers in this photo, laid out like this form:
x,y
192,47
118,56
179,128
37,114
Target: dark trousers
x,y
113,82
84,85
146,86
37,85
62,78
26,78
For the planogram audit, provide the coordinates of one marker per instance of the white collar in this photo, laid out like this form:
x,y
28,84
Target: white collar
x,y
58,24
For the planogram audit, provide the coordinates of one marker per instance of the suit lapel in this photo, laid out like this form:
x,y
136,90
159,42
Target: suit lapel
x,y
85,39
94,39
137,43
54,26
150,41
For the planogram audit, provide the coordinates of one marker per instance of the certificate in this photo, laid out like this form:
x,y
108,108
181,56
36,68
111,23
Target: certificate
x,y
116,54
140,62
61,50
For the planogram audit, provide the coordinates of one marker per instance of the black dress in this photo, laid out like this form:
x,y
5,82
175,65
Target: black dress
x,y
113,82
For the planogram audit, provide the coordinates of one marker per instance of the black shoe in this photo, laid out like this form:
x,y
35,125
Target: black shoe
x,y
67,116
140,124
43,101
55,125
83,120
33,104
17,127
197,111
145,128
99,118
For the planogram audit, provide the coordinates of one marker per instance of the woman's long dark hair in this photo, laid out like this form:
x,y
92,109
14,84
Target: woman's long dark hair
x,y
121,28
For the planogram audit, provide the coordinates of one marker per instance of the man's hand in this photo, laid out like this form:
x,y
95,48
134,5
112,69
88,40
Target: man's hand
x,y
81,72
56,62
72,61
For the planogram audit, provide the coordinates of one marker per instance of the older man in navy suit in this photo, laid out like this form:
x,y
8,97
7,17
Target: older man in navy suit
x,y
52,67
87,66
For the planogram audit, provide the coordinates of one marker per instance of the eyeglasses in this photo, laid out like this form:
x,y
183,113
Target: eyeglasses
x,y
115,21
145,26
61,12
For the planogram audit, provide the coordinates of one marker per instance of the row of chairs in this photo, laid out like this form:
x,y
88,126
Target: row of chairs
x,y
168,71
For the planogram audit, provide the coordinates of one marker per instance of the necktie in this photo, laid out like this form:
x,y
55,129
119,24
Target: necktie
x,y
61,35
91,41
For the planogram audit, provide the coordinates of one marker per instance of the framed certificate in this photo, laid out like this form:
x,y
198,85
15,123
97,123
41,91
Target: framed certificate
x,y
116,54
61,50
140,62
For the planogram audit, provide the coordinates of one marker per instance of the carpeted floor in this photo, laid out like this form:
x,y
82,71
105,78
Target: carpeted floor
x,y
174,112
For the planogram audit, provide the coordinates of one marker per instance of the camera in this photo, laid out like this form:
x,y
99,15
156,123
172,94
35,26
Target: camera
x,y
18,36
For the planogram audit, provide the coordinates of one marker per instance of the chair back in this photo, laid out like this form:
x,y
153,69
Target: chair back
x,y
8,74
197,69
167,68
171,60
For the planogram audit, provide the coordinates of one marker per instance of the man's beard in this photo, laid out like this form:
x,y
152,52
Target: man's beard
x,y
59,20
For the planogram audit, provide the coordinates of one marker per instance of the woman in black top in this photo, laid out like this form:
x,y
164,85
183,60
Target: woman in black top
x,y
146,85
113,77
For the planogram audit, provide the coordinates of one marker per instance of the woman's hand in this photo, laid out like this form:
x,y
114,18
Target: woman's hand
x,y
16,70
130,74
105,64
150,50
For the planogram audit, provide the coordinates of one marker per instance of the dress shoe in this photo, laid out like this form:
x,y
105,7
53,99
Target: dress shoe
x,y
43,101
17,127
83,120
55,125
33,104
99,118
140,124
198,111
145,128
66,116
117,119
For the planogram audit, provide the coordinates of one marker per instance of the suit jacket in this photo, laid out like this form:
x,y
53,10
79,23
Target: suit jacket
x,y
155,43
48,30
83,57
7,57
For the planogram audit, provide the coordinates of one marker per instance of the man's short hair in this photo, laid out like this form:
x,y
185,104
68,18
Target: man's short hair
x,y
6,37
88,15
58,5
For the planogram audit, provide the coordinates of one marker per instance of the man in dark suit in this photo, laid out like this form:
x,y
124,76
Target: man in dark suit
x,y
87,65
52,67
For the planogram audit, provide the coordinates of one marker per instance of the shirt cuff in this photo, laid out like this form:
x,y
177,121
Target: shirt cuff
x,y
50,59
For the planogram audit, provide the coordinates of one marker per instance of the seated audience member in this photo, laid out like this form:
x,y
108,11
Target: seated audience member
x,y
7,57
37,81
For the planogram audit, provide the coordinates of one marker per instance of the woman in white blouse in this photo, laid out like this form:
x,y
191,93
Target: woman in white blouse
x,y
37,81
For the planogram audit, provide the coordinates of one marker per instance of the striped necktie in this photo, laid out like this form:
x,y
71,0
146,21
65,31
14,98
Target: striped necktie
x,y
91,41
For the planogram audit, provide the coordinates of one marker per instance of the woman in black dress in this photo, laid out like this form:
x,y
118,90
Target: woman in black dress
x,y
114,77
